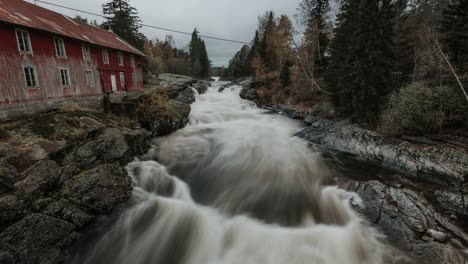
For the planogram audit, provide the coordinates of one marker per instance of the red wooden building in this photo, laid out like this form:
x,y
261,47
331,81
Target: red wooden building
x,y
47,56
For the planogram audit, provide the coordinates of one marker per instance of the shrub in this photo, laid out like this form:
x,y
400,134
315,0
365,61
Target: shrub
x,y
414,110
152,107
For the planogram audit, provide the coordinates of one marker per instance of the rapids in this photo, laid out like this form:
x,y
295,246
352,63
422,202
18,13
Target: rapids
x,y
235,186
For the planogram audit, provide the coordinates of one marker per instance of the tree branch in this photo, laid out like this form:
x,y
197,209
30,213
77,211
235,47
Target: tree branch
x,y
451,68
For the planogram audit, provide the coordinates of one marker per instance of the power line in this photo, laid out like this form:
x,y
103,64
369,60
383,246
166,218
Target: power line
x,y
145,25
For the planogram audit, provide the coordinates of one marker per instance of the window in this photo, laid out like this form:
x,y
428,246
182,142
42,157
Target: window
x,y
120,58
60,48
30,76
86,54
122,79
105,56
134,78
132,61
90,78
24,42
65,77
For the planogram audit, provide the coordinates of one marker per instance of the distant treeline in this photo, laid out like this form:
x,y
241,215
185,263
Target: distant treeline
x,y
362,54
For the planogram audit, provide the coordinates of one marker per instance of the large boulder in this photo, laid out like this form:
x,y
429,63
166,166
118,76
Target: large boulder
x,y
411,223
36,239
98,190
176,116
40,179
445,165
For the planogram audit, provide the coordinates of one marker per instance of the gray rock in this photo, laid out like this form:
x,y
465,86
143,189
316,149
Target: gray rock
x,y
108,147
98,190
11,208
444,165
186,96
36,239
40,179
201,88
454,202
437,235
410,222
68,212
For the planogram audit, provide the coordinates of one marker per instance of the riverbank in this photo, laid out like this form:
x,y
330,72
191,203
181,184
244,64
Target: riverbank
x,y
425,211
61,171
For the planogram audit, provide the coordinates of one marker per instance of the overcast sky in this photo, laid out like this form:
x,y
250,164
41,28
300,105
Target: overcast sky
x,y
232,19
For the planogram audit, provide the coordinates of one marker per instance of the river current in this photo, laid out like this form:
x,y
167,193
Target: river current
x,y
236,187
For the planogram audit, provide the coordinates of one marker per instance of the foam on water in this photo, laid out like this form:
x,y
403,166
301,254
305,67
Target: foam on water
x,y
235,186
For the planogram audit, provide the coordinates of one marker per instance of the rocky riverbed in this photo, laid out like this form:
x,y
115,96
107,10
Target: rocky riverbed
x,y
61,171
423,209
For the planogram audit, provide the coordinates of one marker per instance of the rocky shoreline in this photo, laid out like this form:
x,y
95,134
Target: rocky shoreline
x,y
428,222
61,171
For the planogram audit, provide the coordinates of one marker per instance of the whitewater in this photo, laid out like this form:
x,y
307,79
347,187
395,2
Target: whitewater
x,y
236,186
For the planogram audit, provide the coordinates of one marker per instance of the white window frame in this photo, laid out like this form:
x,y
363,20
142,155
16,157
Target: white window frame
x,y
86,52
123,82
133,78
105,56
36,80
120,58
68,77
62,42
90,81
132,61
28,38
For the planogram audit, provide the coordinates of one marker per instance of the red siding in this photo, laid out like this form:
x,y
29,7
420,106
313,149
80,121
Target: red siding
x,y
13,87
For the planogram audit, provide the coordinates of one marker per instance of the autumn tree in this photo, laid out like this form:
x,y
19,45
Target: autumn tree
x,y
164,56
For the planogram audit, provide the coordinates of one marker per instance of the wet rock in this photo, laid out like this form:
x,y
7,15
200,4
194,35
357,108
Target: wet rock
x,y
454,202
40,178
98,190
446,166
289,111
411,223
249,94
186,96
201,87
36,239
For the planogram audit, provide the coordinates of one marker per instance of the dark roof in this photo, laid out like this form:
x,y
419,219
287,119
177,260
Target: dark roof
x,y
25,14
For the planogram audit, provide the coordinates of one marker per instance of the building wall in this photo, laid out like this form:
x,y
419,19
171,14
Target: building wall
x,y
13,88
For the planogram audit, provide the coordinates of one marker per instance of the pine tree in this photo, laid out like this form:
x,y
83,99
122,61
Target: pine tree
x,y
285,74
455,33
363,54
199,59
339,74
313,15
254,51
123,20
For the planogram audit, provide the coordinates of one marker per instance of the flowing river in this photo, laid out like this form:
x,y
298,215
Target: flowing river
x,y
235,186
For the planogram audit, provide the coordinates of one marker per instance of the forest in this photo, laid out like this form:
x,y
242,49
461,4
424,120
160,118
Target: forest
x,y
399,67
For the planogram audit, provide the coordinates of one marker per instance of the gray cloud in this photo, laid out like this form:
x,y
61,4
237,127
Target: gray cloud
x,y
221,18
